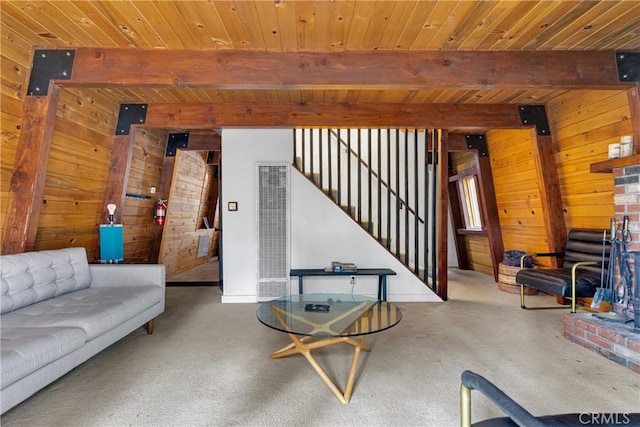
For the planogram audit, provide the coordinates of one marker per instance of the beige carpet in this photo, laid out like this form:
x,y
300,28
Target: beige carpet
x,y
207,364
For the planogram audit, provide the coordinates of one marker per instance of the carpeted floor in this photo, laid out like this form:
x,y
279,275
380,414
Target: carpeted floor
x,y
207,364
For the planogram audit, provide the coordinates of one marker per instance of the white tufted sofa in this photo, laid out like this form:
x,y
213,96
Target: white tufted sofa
x,y
57,311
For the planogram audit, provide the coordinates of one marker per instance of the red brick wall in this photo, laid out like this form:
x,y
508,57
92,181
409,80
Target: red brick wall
x,y
615,341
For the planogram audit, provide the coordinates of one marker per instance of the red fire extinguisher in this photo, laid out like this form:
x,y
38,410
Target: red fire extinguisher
x,y
160,211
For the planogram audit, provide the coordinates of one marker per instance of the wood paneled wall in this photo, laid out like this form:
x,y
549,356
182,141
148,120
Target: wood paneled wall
x,y
73,200
181,230
146,171
517,190
582,123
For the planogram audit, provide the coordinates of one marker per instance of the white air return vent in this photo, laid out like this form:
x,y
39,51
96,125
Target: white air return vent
x,y
273,230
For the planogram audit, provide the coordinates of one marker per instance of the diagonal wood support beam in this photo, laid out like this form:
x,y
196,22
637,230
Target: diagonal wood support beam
x,y
118,178
232,69
550,195
29,173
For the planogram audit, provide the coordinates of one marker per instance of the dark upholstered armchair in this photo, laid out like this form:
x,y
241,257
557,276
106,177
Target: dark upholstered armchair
x,y
582,269
516,415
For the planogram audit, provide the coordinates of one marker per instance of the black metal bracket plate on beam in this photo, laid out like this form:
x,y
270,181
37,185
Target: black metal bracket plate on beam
x,y
130,114
478,142
628,66
49,65
175,141
535,115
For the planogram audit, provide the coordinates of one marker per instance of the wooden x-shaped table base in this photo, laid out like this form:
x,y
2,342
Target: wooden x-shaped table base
x,y
304,346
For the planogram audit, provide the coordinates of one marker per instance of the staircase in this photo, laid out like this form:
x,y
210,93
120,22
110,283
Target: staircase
x,y
383,179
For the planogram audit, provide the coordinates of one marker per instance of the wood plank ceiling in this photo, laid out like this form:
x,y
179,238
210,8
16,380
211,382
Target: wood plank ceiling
x,y
323,26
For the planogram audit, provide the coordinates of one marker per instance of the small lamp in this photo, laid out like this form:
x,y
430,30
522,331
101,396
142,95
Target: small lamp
x,y
111,207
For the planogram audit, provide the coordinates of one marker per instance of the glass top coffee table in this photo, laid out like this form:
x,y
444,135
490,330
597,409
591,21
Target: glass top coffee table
x,y
318,320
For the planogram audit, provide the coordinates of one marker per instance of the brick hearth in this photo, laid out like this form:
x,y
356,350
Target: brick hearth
x,y
615,341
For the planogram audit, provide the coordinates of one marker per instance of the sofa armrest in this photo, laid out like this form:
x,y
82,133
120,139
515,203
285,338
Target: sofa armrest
x,y
473,381
110,275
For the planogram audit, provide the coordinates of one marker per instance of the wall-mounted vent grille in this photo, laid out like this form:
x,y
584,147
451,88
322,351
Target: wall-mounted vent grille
x,y
273,230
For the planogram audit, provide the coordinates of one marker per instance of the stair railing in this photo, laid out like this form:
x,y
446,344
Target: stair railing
x,y
391,168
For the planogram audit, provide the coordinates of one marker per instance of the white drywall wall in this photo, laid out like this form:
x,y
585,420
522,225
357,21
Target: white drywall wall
x,y
320,231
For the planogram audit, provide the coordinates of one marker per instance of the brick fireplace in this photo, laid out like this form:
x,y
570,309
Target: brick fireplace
x,y
619,342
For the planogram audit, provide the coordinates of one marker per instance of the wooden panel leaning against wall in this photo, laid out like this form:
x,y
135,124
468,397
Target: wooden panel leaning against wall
x,y
517,190
182,229
78,167
146,170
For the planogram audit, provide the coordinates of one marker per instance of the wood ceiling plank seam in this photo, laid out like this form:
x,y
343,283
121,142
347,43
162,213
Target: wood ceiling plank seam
x,y
540,19
622,23
53,25
446,22
600,21
575,27
562,22
82,24
231,21
509,22
286,18
343,14
358,27
525,27
123,17
252,25
305,22
478,23
268,18
156,22
97,16
615,41
22,24
413,24
176,15
324,13
15,46
380,24
216,32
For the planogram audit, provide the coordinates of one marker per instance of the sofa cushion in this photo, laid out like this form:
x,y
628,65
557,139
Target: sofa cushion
x,y
94,310
32,277
25,350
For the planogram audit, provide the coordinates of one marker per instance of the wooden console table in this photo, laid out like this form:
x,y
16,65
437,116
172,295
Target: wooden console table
x,y
382,274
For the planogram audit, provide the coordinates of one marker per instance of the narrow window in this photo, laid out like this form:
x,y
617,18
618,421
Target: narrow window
x,y
468,188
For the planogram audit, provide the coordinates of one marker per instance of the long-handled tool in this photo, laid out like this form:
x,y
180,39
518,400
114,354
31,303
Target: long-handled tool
x,y
615,257
601,292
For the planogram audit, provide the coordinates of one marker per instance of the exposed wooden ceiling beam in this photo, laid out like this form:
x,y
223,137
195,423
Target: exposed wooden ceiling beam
x,y
228,69
442,116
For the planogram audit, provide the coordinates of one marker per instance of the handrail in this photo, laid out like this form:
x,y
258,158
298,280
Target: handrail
x,y
400,229
375,174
